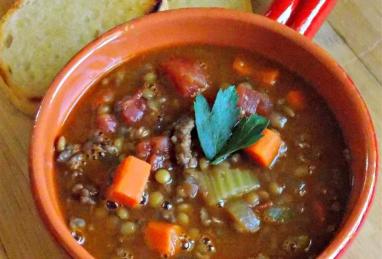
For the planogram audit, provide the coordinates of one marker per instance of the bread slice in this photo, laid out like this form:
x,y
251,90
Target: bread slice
x,y
38,37
5,5
242,5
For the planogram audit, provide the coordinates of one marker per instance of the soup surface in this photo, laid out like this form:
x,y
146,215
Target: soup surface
x,y
146,170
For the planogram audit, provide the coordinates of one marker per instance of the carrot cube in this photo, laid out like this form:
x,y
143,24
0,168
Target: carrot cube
x,y
163,237
130,181
265,150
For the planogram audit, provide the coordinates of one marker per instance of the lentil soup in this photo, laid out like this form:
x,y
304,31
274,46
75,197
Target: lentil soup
x,y
145,169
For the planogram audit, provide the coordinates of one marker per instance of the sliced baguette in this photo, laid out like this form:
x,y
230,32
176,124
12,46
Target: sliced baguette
x,y
242,5
38,37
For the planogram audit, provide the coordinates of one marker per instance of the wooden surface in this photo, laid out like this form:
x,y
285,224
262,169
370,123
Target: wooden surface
x,y
353,37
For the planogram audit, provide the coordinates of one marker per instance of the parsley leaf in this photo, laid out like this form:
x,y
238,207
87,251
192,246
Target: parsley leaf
x,y
245,133
214,126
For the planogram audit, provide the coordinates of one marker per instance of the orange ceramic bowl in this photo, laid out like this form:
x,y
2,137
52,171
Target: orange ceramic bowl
x,y
215,27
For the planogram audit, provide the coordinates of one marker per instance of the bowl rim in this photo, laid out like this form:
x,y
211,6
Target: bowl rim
x,y
41,195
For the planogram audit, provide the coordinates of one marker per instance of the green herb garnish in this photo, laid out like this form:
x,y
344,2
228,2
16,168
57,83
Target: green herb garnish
x,y
214,127
245,133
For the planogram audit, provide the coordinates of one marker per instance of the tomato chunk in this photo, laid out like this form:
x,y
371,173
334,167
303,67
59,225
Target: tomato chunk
x,y
132,108
251,101
188,76
156,151
107,123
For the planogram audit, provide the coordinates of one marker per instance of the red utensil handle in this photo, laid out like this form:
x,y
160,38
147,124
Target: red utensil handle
x,y
282,10
304,16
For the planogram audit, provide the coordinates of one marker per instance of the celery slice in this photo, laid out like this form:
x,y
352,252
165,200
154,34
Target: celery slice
x,y
231,186
223,184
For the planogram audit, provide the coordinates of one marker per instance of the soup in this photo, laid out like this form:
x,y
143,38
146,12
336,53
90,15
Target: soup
x,y
202,152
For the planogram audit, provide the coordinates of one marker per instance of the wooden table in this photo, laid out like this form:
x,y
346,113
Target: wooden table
x,y
352,35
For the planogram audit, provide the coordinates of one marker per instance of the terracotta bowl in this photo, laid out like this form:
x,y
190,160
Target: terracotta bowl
x,y
221,28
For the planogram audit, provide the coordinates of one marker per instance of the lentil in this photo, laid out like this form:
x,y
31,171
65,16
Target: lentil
x,y
104,109
153,105
277,120
148,93
235,158
275,188
288,111
118,143
142,132
264,195
184,207
163,176
162,100
205,217
77,223
122,213
61,144
150,77
128,228
183,218
156,199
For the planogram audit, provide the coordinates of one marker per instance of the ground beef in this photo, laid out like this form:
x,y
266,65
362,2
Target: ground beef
x,y
86,194
99,146
72,157
183,142
67,153
76,156
77,162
